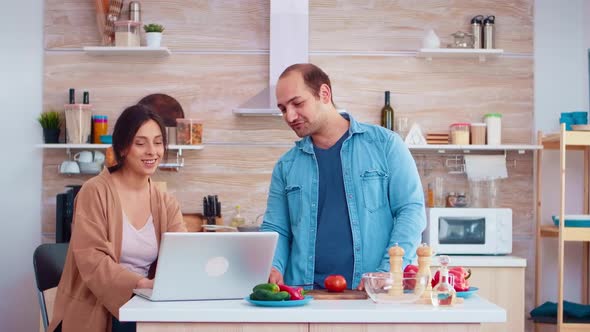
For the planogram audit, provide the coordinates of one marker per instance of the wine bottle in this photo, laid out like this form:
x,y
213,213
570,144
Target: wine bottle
x,y
86,98
387,113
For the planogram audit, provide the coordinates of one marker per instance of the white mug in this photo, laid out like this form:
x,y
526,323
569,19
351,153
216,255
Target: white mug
x,y
98,157
69,167
83,157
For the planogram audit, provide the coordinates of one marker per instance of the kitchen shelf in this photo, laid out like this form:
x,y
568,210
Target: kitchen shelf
x,y
445,148
158,52
563,141
256,112
482,54
172,147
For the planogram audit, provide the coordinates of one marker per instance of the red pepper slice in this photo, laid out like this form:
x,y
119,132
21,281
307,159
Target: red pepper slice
x,y
295,293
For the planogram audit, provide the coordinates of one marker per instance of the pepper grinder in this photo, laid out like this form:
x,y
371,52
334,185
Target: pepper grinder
x,y
424,259
396,254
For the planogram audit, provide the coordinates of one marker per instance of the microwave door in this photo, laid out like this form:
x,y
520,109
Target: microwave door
x,y
462,235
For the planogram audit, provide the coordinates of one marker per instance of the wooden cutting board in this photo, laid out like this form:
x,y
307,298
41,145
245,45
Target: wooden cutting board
x,y
347,294
167,107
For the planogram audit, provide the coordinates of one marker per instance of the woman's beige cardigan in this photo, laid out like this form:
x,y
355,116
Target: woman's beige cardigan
x,y
93,285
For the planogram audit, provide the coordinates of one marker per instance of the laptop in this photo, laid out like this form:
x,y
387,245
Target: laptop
x,y
211,266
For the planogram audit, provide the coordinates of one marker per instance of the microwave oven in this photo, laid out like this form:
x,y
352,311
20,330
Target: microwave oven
x,y
466,231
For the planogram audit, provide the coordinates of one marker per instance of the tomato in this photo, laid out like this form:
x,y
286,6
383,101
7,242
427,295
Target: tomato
x,y
335,283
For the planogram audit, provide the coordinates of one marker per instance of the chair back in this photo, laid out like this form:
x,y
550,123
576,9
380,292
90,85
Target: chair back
x,y
48,262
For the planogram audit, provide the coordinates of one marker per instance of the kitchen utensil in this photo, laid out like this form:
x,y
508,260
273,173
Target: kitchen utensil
x,y
347,294
378,285
462,40
166,106
69,167
290,303
84,157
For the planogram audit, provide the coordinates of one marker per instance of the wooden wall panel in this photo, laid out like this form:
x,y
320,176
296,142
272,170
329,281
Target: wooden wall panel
x,y
189,25
438,93
400,25
433,94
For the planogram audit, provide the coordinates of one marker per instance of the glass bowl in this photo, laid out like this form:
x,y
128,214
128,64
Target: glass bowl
x,y
381,288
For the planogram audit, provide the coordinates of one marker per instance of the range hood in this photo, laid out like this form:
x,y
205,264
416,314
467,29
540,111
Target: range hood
x,y
289,34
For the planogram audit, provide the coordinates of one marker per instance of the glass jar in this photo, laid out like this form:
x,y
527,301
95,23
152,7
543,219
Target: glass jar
x,y
461,200
99,127
460,133
494,132
127,33
451,199
462,40
478,133
189,132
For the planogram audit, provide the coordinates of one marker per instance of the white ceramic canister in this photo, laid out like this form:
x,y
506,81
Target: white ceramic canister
x,y
494,128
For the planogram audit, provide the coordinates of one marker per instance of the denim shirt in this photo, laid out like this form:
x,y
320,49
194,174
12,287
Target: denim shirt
x,y
383,192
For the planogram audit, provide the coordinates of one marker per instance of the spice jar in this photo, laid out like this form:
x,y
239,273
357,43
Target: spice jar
x,y
189,132
461,200
451,199
99,127
127,33
460,133
478,133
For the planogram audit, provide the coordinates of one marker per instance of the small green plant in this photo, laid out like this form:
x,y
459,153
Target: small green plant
x,y
50,120
153,28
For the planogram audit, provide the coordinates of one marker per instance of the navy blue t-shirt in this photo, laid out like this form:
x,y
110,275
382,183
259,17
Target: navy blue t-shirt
x,y
333,247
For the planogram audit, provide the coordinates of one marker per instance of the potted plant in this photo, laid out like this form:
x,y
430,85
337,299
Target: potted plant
x,y
51,124
153,34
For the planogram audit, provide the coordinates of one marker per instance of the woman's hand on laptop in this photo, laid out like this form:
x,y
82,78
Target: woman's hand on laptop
x,y
275,277
145,283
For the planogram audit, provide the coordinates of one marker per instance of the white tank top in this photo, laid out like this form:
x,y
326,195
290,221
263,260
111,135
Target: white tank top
x,y
139,248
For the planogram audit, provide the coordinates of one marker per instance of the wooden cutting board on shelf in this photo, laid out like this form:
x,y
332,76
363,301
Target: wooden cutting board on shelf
x,y
347,294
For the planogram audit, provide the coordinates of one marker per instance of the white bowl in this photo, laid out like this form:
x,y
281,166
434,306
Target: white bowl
x,y
90,168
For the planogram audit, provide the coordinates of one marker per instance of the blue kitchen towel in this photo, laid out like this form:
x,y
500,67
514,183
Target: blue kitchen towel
x,y
570,309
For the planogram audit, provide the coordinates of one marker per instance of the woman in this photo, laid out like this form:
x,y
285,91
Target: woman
x,y
119,217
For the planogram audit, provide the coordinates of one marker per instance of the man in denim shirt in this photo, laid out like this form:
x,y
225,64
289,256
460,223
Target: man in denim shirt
x,y
345,193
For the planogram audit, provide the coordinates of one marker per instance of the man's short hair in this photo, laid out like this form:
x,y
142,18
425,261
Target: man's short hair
x,y
313,77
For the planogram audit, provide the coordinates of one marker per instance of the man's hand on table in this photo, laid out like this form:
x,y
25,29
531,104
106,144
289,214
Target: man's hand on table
x,y
275,277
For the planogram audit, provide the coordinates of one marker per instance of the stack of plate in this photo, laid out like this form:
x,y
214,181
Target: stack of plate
x,y
437,138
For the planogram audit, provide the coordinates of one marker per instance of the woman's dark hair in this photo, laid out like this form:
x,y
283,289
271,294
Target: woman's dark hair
x,y
126,127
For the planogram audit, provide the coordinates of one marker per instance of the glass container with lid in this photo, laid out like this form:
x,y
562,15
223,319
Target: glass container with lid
x,y
127,33
460,133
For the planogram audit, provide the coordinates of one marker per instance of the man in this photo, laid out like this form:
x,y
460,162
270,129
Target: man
x,y
343,195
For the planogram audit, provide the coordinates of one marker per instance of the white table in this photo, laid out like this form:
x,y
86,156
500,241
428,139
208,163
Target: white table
x,y
317,316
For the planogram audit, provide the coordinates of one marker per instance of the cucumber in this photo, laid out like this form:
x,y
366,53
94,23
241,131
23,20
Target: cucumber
x,y
269,286
266,295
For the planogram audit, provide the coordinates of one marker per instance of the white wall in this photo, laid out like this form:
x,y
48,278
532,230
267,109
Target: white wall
x,y
562,39
21,63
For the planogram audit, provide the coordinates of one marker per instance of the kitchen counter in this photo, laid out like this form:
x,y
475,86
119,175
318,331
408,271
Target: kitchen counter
x,y
324,315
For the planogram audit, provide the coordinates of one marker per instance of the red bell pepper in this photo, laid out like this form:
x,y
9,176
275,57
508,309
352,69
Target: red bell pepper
x,y
410,272
295,293
459,276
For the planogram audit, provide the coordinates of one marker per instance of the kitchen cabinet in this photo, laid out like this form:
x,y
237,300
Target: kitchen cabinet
x,y
317,316
500,279
564,141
